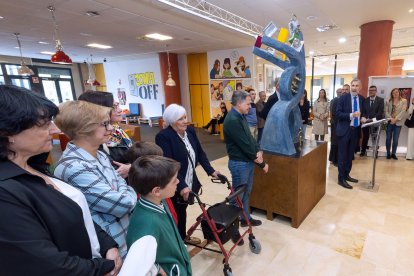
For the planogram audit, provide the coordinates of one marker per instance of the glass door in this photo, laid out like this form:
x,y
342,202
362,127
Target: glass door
x,y
66,91
49,87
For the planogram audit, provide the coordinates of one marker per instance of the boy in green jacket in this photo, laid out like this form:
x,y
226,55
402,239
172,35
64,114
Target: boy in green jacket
x,y
155,178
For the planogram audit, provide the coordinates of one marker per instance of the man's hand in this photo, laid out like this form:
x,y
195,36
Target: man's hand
x,y
363,119
162,272
266,168
113,254
123,169
185,193
356,114
259,157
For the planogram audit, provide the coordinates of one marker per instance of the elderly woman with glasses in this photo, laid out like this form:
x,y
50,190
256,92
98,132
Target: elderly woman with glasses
x,y
117,146
179,142
82,165
46,228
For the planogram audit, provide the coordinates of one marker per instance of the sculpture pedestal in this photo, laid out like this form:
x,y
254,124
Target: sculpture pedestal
x,y
293,185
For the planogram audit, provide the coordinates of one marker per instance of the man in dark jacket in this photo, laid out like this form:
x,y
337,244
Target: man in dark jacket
x,y
374,108
271,101
243,151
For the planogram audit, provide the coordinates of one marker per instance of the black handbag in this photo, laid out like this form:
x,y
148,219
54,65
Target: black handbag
x,y
410,121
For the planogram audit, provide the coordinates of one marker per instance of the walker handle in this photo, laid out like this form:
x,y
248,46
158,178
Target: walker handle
x,y
236,194
220,179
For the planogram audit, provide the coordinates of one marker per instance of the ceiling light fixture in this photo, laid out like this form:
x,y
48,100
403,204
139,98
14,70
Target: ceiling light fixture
x,y
92,79
342,40
311,17
43,42
170,81
92,13
410,10
327,27
24,69
47,53
60,56
99,46
1,17
158,36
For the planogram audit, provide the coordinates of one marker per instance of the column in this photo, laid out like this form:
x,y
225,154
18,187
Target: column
x,y
374,51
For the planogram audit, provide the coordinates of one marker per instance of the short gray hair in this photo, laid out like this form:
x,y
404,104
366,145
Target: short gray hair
x,y
238,97
172,113
356,80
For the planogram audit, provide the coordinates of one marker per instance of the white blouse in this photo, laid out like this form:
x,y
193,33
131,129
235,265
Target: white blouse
x,y
80,199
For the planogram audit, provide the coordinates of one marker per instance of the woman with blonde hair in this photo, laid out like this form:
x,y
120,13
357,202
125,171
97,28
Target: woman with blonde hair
x,y
321,114
395,110
82,165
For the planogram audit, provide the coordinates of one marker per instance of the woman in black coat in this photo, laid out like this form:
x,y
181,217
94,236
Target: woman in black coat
x,y
46,228
179,142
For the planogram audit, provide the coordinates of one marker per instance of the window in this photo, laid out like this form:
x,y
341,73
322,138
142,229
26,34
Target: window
x,y
21,82
1,76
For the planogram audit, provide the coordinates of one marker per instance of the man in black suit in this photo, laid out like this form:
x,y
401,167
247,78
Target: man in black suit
x,y
333,154
374,108
270,101
349,109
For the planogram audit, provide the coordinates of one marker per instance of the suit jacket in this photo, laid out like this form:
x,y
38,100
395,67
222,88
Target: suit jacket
x,y
270,102
259,107
343,111
334,120
374,111
173,147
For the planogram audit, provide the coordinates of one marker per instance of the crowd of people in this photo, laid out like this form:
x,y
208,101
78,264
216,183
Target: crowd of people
x,y
108,193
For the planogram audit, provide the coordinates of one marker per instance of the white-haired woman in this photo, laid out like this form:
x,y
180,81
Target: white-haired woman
x,y
179,142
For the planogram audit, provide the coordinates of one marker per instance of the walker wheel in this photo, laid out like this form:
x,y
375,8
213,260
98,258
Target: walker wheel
x,y
227,272
255,246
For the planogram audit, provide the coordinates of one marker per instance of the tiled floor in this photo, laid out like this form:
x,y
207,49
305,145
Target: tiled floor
x,y
349,232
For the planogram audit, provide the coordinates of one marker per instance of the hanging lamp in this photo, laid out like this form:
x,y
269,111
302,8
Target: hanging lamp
x,y
24,69
92,81
60,56
170,81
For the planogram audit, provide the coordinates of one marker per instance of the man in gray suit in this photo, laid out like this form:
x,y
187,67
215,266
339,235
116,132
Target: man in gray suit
x,y
374,108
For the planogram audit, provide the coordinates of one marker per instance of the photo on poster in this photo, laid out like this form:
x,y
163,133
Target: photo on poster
x,y
221,90
406,94
121,96
229,64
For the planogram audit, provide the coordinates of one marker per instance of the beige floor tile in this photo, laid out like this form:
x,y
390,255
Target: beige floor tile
x,y
376,227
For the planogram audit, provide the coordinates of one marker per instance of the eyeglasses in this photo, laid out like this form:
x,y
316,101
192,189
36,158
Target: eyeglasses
x,y
105,124
115,105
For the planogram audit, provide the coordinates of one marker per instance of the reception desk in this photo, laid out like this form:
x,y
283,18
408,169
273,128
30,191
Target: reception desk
x,y
293,185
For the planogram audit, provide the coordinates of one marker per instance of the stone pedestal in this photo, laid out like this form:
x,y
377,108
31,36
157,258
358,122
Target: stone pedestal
x,y
293,185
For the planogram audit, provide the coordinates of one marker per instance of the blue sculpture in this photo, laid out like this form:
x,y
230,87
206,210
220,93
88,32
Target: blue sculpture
x,y
284,121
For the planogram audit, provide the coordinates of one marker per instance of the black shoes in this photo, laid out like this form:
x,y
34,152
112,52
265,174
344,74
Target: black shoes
x,y
393,156
236,236
253,222
362,154
350,179
388,156
345,184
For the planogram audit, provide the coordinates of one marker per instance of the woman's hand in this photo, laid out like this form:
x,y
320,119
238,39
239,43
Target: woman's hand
x,y
123,169
113,254
185,193
266,168
215,174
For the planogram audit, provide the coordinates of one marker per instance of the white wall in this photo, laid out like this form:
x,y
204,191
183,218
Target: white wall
x,y
120,74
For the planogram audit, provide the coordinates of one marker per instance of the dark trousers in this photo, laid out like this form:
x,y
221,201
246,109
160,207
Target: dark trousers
x,y
181,210
212,123
259,134
322,137
346,148
333,154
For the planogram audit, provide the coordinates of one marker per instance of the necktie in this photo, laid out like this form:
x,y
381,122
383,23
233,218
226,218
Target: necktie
x,y
372,103
355,110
